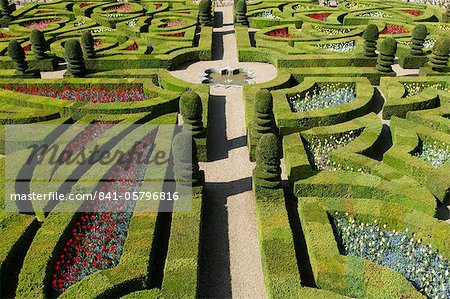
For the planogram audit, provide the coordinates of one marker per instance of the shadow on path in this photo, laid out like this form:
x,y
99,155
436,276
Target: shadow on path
x,y
215,274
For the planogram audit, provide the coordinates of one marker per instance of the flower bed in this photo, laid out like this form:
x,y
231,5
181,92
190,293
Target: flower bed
x,y
267,14
357,5
319,149
84,93
280,33
98,43
39,25
319,16
332,31
375,14
414,88
173,24
79,23
343,47
424,267
124,7
132,23
97,239
178,34
5,35
132,47
428,44
394,29
412,12
85,4
91,132
435,153
323,96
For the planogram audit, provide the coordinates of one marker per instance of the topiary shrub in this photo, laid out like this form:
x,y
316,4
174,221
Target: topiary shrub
x,y
440,52
17,54
370,36
185,162
263,116
267,172
205,13
419,35
87,41
388,48
241,13
5,13
38,45
191,109
74,58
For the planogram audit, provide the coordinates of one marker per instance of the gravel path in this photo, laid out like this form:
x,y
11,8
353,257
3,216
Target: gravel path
x,y
230,260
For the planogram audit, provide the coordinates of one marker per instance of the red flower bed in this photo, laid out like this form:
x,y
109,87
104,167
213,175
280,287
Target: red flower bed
x,y
158,5
394,29
124,7
319,16
27,48
281,33
132,47
41,24
415,13
185,12
4,35
86,94
85,4
44,11
97,238
179,34
98,43
92,131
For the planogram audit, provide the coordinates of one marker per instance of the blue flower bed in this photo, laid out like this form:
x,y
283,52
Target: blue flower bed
x,y
323,96
424,267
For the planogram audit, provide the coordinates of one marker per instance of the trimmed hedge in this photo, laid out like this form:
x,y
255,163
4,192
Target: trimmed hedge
x,y
353,276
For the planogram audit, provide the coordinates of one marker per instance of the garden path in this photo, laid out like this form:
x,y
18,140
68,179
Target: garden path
x,y
231,263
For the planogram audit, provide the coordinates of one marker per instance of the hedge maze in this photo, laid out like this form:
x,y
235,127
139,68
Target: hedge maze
x,y
357,120
123,52
366,149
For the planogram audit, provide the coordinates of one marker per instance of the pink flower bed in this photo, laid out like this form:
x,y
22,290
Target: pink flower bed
x,y
173,24
124,7
98,43
41,24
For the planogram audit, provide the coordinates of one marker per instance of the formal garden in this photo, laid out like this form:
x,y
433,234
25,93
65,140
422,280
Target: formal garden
x,y
349,146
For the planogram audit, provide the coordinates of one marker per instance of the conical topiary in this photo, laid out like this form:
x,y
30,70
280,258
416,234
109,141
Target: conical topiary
x,y
241,12
419,35
191,109
38,45
440,52
388,48
5,13
370,36
185,161
74,58
205,13
87,41
263,117
17,54
267,172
